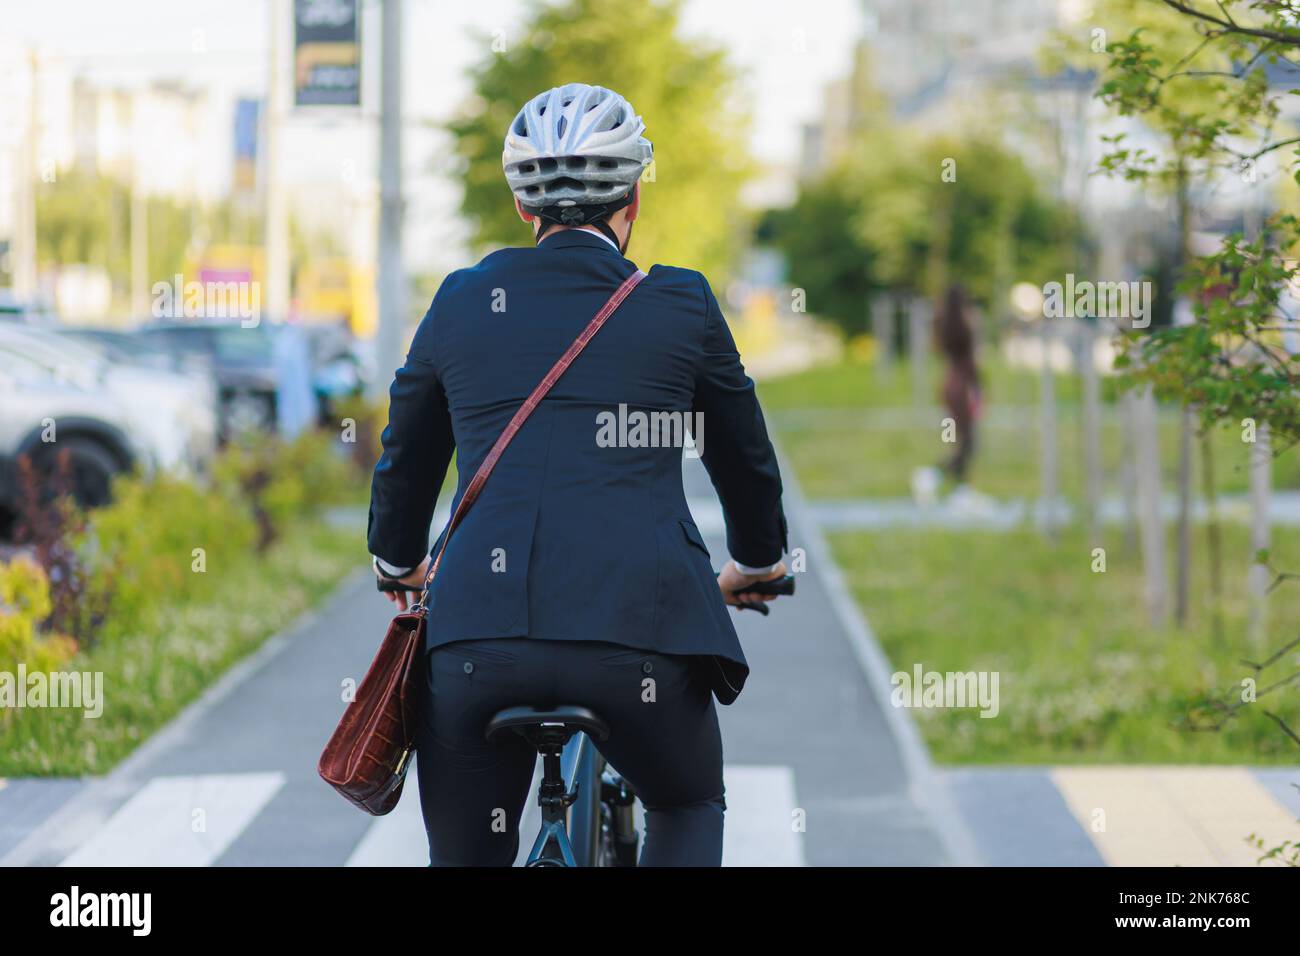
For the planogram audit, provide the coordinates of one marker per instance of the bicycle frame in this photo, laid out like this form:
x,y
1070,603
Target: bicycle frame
x,y
572,820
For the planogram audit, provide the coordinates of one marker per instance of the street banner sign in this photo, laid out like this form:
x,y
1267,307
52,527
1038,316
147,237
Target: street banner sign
x,y
326,53
247,114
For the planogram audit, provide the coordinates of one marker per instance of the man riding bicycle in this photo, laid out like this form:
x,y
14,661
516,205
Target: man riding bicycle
x,y
579,576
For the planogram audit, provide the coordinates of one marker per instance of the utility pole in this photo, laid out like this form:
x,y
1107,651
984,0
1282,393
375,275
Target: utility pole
x,y
24,245
390,341
139,239
276,275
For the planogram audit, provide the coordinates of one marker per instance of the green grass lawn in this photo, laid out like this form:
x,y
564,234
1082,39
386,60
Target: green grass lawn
x,y
851,433
155,671
1083,678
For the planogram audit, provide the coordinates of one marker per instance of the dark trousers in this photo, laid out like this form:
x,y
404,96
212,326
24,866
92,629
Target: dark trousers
x,y
663,739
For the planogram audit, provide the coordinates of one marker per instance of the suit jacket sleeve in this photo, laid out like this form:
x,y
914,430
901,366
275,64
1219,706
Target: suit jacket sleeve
x,y
417,447
735,449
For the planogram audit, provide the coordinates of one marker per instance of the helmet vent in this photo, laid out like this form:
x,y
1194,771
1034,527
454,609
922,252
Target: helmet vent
x,y
563,184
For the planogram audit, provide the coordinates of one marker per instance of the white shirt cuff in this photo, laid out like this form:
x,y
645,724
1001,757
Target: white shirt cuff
x,y
392,570
746,569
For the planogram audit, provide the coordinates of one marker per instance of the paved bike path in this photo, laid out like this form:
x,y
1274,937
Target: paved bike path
x,y
819,769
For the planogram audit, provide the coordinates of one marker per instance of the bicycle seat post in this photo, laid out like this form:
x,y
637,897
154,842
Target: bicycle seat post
x,y
552,795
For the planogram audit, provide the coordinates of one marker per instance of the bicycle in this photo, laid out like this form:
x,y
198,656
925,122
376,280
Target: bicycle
x,y
588,809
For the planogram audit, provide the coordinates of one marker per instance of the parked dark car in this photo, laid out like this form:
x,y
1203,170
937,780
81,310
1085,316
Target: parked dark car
x,y
242,361
338,370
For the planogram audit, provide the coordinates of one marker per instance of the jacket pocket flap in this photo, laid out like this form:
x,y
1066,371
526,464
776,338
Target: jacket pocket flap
x,y
693,534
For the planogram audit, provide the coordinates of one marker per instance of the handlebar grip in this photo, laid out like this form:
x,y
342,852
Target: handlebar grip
x,y
783,586
780,586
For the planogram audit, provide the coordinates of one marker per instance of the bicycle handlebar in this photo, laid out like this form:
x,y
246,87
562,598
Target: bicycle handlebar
x,y
779,586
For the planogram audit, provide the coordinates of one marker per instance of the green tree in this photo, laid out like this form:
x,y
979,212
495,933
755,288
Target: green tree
x,y
1197,72
826,256
684,89
887,218
86,218
1196,75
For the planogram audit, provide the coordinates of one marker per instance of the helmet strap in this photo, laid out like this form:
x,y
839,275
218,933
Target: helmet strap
x,y
595,216
608,231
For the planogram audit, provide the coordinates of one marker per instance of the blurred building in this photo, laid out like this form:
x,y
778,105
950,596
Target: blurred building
x,y
947,65
165,137
933,56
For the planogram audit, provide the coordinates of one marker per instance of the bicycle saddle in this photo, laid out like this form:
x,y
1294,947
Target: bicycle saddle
x,y
547,726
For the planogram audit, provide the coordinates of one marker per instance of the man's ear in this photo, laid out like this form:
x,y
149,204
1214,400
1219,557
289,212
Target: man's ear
x,y
519,208
634,206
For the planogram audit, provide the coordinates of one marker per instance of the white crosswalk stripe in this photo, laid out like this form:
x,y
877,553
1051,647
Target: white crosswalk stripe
x,y
179,821
192,820
760,825
397,839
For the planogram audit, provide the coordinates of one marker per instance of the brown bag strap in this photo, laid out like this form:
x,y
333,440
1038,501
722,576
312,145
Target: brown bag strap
x,y
530,404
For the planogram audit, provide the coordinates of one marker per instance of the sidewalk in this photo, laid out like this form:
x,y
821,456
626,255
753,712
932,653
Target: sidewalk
x,y
1005,514
1126,816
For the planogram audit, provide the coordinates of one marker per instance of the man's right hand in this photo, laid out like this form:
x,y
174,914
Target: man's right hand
x,y
730,580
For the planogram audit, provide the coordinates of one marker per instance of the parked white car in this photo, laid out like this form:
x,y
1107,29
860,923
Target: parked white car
x,y
109,416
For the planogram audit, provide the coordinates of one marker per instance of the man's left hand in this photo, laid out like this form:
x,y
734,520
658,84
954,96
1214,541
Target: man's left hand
x,y
403,599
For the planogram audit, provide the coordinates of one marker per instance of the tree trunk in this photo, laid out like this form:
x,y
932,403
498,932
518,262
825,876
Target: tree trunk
x,y
1151,524
1090,425
1261,482
1047,461
1183,199
1213,535
1182,574
881,308
1128,469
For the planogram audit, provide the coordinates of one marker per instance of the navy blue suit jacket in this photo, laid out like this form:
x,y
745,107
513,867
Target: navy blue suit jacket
x,y
573,539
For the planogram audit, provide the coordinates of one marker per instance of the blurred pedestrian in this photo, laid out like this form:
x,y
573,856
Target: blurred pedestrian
x,y
961,394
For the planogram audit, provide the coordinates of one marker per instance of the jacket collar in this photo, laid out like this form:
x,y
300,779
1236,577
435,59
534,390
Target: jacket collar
x,y
578,239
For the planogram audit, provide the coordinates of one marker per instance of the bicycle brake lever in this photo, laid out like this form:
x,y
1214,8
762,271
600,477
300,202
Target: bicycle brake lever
x,y
761,607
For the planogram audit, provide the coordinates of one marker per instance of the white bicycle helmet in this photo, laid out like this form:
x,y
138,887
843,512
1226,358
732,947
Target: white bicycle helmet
x,y
574,153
